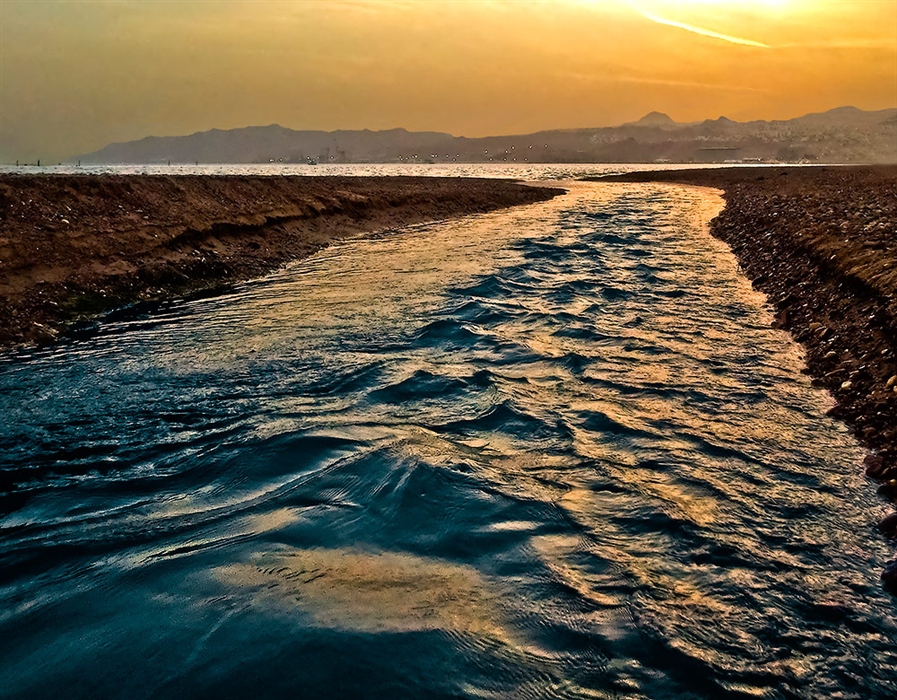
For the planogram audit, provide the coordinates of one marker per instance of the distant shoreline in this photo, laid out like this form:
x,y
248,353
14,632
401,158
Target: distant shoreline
x,y
75,246
821,243
840,135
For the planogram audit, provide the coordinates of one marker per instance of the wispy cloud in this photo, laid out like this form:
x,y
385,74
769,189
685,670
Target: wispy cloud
x,y
603,78
703,32
850,44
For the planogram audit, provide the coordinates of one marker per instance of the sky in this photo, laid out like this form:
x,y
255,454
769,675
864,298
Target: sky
x,y
76,75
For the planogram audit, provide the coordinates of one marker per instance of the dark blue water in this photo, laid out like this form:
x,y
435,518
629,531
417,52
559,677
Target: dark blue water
x,y
555,451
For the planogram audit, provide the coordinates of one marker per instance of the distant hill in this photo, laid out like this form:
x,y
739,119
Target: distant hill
x,y
655,119
842,135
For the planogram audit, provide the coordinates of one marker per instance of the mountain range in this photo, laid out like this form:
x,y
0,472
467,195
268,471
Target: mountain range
x,y
842,135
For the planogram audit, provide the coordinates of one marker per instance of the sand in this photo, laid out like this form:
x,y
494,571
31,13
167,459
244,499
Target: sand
x,y
74,246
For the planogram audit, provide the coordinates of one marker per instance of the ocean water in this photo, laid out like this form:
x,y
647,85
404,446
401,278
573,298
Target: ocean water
x,y
555,451
523,171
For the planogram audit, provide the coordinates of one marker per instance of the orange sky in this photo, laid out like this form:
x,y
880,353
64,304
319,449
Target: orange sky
x,y
76,75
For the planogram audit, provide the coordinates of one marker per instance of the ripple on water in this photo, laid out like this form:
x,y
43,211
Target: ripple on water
x,y
555,451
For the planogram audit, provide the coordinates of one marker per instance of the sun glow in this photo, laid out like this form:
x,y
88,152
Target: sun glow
x,y
728,4
704,32
691,15
77,75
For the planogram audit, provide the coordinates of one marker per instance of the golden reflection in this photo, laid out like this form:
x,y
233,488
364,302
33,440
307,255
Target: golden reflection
x,y
371,592
272,520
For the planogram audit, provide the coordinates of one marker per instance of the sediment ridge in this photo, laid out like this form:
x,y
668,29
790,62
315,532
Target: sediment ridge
x,y
821,243
75,246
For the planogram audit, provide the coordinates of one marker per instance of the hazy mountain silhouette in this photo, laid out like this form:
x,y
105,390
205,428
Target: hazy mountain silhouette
x,y
842,135
655,119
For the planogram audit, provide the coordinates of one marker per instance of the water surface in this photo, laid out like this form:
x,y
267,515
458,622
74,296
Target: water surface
x,y
553,451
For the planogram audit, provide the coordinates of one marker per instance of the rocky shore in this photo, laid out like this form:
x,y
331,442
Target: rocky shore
x,y
821,243
75,246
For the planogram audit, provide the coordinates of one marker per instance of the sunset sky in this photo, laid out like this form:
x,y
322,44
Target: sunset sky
x,y
76,75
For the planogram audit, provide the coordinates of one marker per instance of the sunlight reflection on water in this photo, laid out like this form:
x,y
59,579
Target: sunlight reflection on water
x,y
552,451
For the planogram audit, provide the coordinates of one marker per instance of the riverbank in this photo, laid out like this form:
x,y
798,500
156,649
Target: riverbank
x,y
821,243
75,246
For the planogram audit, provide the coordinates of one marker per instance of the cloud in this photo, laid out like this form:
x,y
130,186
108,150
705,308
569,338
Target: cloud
x,y
638,80
703,32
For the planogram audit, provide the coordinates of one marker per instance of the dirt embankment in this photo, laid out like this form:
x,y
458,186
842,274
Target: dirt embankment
x,y
821,242
74,246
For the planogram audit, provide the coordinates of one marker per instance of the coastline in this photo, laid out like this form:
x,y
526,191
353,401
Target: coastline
x,y
75,246
821,243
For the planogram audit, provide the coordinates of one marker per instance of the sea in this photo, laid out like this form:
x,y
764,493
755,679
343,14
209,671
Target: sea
x,y
552,451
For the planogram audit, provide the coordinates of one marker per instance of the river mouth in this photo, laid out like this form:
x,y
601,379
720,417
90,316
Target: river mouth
x,y
554,451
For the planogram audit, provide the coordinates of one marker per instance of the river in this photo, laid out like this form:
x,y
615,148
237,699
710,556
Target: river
x,y
555,451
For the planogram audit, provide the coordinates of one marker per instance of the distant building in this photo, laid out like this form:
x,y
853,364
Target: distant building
x,y
718,154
